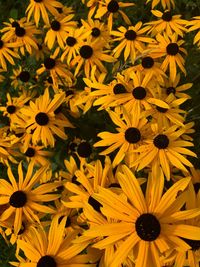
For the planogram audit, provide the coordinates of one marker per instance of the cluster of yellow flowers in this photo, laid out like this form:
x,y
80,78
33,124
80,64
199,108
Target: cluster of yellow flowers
x,y
126,193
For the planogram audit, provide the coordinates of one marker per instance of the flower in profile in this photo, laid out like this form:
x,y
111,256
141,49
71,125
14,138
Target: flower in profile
x,y
23,195
166,4
167,23
39,8
59,31
132,41
53,248
111,8
193,25
147,226
41,120
165,148
56,69
170,48
7,54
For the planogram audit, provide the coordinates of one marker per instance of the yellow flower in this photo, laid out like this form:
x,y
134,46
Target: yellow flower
x,y
23,198
165,148
56,69
39,8
7,54
90,54
41,120
53,248
111,8
59,31
147,226
131,131
195,25
165,3
167,23
170,48
132,41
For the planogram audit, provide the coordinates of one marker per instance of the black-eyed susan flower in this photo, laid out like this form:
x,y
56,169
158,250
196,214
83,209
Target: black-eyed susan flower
x,y
167,23
132,41
12,109
37,155
20,78
98,30
41,121
170,48
130,133
53,248
166,117
192,256
173,87
7,54
166,4
23,36
90,54
59,31
147,226
39,8
165,148
193,25
111,8
23,198
56,69
72,43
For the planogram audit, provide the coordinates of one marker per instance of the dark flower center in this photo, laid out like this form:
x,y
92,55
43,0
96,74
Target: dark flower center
x,y
20,32
147,227
15,24
11,109
69,92
139,93
94,203
1,43
49,63
86,51
50,80
74,180
194,244
42,118
119,89
18,199
147,62
162,110
132,135
113,6
172,49
46,261
71,41
68,221
170,90
167,16
95,32
22,229
24,76
30,152
84,149
55,25
196,187
161,141
130,35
